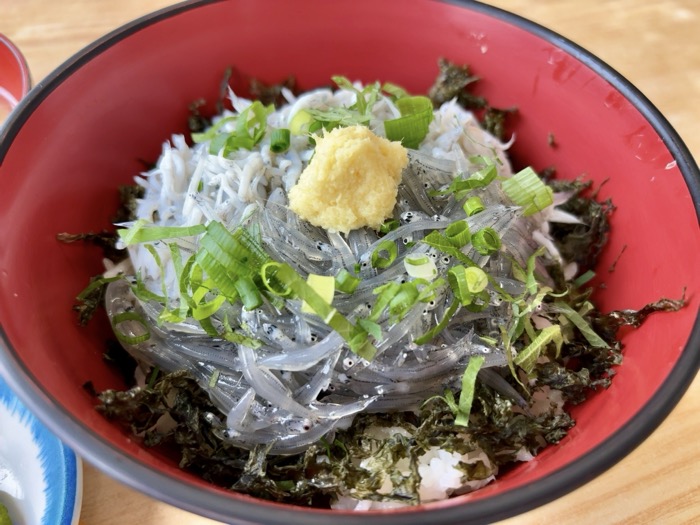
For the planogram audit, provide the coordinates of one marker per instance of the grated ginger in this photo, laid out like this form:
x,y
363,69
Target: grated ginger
x,y
351,181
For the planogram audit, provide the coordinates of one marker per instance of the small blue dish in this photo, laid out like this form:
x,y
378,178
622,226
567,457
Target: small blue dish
x,y
40,478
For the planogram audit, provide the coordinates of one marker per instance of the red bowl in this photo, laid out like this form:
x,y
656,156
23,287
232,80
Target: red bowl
x,y
85,129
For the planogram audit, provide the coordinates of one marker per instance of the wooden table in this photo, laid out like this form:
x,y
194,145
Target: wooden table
x,y
655,44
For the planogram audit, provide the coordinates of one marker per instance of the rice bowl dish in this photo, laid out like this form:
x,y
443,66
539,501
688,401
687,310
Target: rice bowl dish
x,y
126,81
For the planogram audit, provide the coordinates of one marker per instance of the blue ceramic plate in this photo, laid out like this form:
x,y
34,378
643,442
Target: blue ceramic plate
x,y
40,478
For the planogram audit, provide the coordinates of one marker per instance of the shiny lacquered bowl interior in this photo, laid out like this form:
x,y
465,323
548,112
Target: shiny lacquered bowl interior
x,y
89,126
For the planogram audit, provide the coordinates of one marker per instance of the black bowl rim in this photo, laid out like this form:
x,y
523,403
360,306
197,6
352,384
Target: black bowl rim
x,y
510,503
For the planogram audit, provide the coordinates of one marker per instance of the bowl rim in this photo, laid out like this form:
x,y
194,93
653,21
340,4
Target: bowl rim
x,y
515,501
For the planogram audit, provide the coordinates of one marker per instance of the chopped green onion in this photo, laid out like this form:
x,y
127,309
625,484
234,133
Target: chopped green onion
x,y
530,280
363,105
584,278
403,301
140,232
385,293
527,190
412,126
212,132
95,284
236,337
130,339
458,233
279,140
468,284
486,241
289,282
385,247
154,375
394,91
473,205
250,127
438,241
466,396
372,328
430,334
301,123
332,118
460,186
214,378
206,310
584,327
457,279
345,282
272,281
179,267
527,357
159,263
248,292
324,286
420,266
477,280
144,294
389,225
428,292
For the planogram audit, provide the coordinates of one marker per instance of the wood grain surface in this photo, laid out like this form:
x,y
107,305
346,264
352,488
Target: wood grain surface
x,y
653,43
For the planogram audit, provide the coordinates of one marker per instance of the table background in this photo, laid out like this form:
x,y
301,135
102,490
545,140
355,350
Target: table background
x,y
653,43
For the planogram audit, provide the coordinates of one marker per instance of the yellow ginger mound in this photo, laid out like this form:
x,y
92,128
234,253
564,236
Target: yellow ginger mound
x,y
351,181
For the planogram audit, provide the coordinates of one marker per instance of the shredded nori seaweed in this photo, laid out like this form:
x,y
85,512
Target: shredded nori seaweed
x,y
582,243
272,93
106,240
455,82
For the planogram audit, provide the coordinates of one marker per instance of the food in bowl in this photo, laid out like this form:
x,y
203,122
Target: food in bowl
x,y
353,301
140,80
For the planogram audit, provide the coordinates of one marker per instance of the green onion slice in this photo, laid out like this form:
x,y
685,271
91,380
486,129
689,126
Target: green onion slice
x,y
457,279
486,241
394,91
95,284
378,260
420,266
250,127
476,279
130,339
248,292
403,301
458,233
460,186
140,232
584,327
385,293
324,286
412,126
584,278
527,190
279,140
473,205
301,123
430,334
345,282
274,282
214,378
527,357
466,396
389,225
